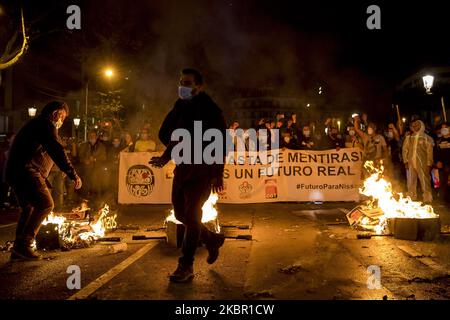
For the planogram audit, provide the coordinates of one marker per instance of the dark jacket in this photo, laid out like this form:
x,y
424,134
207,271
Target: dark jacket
x,y
333,143
36,148
442,151
200,108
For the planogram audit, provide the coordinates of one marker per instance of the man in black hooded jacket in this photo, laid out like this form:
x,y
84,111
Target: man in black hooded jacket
x,y
33,153
193,181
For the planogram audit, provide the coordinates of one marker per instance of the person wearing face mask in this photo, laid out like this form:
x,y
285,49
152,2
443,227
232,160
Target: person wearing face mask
x,y
442,159
375,147
335,140
193,182
306,141
144,143
36,148
92,157
417,154
289,142
352,140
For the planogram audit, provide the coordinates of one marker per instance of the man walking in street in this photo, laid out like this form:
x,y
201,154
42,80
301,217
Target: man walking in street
x,y
192,183
34,151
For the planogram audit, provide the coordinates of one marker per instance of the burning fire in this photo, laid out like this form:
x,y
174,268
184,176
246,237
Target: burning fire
x,y
392,204
209,213
74,232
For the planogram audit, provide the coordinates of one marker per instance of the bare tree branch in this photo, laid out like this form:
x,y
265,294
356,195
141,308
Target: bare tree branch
x,y
15,59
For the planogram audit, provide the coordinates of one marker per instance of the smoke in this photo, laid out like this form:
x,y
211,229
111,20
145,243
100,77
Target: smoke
x,y
238,46
235,44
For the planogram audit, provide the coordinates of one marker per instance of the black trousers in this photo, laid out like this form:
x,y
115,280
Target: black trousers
x,y
36,202
188,197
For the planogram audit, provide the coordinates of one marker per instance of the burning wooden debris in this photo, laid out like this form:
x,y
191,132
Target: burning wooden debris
x,y
76,229
388,212
175,229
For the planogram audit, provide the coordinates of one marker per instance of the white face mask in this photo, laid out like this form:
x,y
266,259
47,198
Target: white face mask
x,y
185,93
351,133
444,131
370,131
58,124
390,135
307,133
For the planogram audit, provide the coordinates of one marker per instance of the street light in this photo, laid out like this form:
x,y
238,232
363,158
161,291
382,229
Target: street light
x,y
32,111
76,122
107,73
428,83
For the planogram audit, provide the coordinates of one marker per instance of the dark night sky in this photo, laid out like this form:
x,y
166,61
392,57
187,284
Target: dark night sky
x,y
290,45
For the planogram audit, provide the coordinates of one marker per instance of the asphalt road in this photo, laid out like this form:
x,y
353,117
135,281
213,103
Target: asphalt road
x,y
298,251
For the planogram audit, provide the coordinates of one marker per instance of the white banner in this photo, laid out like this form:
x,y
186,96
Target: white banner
x,y
286,175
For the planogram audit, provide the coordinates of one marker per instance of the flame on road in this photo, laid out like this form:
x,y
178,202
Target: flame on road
x,y
209,212
393,205
72,231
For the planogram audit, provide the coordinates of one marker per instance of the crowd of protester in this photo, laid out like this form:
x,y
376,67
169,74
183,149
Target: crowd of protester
x,y
96,160
410,151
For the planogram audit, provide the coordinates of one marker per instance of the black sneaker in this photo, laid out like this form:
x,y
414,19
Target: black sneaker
x,y
24,253
213,248
182,274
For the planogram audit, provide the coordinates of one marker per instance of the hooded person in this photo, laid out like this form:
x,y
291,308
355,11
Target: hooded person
x,y
417,152
35,150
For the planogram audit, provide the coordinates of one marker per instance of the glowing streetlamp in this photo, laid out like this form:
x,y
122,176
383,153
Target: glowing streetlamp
x,y
404,120
428,83
76,122
109,73
32,111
